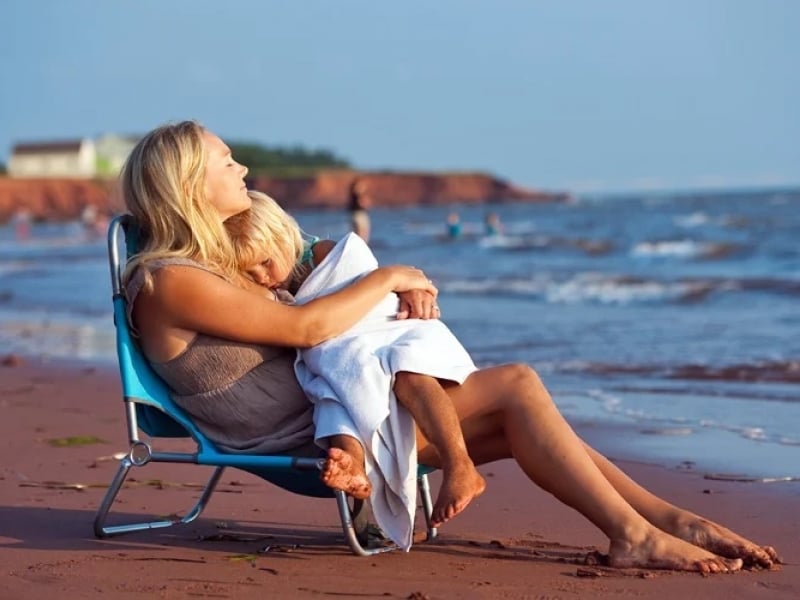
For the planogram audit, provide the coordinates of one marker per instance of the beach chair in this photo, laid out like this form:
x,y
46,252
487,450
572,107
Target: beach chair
x,y
150,410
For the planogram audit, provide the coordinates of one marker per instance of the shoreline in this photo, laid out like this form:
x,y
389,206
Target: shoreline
x,y
515,541
714,454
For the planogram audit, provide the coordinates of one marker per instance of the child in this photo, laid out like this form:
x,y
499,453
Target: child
x,y
453,225
492,224
269,248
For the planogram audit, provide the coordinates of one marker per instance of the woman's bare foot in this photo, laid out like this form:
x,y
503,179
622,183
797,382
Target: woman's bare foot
x,y
721,540
459,486
343,472
655,549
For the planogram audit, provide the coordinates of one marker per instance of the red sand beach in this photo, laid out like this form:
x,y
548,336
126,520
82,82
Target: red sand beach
x,y
257,541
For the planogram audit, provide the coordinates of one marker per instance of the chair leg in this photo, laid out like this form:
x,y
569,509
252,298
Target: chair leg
x,y
348,526
103,531
349,516
427,505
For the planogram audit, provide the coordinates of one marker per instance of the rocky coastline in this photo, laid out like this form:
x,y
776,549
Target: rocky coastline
x,y
65,199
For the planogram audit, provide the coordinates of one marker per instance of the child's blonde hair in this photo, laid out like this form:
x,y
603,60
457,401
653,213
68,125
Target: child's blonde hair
x,y
265,229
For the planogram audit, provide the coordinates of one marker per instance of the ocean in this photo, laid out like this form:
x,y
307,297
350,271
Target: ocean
x,y
670,320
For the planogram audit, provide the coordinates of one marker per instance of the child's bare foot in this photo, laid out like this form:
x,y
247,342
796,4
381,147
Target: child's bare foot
x,y
655,549
343,472
720,540
459,486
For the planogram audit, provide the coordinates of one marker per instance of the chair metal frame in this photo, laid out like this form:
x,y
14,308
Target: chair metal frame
x,y
149,409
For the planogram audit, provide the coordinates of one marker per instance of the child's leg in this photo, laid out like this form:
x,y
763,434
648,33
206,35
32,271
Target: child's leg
x,y
436,418
344,469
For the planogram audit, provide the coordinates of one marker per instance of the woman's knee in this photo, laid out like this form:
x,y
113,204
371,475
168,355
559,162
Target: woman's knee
x,y
520,375
523,384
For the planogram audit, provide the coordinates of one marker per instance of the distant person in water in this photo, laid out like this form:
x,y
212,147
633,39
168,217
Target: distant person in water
x,y
22,223
453,225
94,222
492,224
358,206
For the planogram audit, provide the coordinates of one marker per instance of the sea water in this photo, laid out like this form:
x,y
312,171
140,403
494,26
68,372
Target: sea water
x,y
671,320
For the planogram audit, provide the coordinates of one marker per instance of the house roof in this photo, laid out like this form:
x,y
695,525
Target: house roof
x,y
47,147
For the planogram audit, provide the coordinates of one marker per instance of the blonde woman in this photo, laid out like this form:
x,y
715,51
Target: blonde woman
x,y
227,354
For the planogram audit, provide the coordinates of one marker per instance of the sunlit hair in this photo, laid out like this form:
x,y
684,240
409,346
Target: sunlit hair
x,y
163,187
265,230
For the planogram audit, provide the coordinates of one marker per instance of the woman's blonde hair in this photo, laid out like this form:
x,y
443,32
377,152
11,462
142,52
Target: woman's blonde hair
x,y
265,229
163,187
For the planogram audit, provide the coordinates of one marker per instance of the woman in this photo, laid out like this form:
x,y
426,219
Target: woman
x,y
226,353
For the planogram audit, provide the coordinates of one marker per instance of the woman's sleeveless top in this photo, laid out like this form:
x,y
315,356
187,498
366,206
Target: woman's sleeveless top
x,y
244,397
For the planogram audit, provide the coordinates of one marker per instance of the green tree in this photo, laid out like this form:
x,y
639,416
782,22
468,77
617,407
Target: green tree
x,y
277,161
2,168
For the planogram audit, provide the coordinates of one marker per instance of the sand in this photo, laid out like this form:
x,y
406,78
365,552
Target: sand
x,y
258,541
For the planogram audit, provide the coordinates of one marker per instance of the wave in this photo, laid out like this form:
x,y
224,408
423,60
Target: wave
x,y
777,371
516,243
695,219
602,288
655,421
691,249
768,371
52,249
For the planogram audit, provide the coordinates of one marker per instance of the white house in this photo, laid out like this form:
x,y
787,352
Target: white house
x,y
112,150
101,157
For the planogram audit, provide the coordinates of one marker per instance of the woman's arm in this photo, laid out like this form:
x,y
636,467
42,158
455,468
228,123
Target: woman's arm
x,y
414,304
186,300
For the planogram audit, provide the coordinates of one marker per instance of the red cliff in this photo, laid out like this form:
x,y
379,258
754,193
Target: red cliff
x,y
330,189
65,199
52,199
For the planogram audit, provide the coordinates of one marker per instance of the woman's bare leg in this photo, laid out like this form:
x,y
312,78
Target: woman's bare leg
x,y
506,411
683,523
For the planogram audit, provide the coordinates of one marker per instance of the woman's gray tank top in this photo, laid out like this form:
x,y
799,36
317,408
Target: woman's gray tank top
x,y
244,397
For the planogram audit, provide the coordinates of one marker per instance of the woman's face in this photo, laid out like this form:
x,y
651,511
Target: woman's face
x,y
224,186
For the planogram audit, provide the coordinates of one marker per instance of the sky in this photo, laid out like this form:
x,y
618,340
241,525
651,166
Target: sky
x,y
584,96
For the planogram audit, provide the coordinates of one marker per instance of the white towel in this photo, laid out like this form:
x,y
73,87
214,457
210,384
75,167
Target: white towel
x,y
350,378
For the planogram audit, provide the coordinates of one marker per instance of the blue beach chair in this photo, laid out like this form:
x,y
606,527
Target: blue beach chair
x,y
150,410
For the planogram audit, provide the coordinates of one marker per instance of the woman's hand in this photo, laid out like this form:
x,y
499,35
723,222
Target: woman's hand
x,y
405,279
418,304
417,294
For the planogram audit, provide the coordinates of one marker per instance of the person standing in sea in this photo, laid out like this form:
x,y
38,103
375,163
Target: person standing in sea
x,y
359,203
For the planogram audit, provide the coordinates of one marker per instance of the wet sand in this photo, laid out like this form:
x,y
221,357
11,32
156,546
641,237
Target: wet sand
x,y
257,541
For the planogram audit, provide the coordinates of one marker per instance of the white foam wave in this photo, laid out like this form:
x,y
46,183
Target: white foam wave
x,y
47,337
682,248
696,219
514,241
583,288
597,288
658,418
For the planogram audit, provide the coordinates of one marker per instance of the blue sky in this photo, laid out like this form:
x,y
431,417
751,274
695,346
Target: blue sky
x,y
618,95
